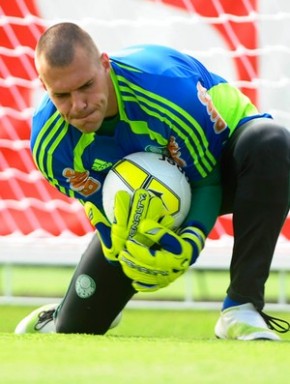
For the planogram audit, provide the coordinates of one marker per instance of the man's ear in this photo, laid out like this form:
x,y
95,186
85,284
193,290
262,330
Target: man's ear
x,y
42,83
105,61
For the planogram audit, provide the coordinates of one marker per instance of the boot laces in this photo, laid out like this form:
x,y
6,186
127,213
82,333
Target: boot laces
x,y
275,324
44,318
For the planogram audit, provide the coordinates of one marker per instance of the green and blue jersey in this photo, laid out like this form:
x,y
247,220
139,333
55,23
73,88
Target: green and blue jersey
x,y
168,103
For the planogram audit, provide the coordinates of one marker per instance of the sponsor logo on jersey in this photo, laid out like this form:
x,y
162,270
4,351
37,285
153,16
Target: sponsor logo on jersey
x,y
219,125
81,182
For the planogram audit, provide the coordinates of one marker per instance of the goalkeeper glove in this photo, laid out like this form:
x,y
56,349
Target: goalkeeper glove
x,y
126,220
154,268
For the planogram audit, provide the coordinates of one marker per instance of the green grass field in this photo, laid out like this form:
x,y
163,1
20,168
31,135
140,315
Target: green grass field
x,y
149,346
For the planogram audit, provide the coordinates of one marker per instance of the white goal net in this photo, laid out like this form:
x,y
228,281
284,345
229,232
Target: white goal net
x,y
246,41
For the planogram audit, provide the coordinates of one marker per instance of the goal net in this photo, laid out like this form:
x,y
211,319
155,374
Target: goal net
x,y
246,41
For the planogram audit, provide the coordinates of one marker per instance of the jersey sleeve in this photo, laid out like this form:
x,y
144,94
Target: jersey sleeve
x,y
63,155
206,202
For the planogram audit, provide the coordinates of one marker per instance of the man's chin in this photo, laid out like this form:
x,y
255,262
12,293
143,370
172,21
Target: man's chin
x,y
87,128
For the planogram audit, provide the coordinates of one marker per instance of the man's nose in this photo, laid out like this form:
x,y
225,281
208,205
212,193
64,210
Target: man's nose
x,y
79,103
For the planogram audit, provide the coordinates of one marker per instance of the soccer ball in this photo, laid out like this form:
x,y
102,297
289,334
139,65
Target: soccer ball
x,y
156,173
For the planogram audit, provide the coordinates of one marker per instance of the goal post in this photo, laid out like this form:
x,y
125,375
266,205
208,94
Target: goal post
x,y
246,41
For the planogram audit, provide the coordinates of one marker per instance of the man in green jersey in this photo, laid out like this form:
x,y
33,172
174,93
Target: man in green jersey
x,y
153,98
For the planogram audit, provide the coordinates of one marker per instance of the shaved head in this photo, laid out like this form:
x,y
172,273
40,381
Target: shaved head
x,y
76,76
59,42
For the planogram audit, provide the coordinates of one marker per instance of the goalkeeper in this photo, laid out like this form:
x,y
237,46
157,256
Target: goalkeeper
x,y
99,108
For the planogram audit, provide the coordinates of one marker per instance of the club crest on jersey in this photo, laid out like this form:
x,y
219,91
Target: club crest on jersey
x,y
174,152
81,182
171,150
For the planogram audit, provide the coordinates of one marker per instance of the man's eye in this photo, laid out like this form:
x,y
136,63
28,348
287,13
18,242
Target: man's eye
x,y
60,95
87,85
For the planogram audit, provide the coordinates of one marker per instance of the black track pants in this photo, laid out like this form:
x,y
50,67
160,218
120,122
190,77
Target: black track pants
x,y
97,294
255,169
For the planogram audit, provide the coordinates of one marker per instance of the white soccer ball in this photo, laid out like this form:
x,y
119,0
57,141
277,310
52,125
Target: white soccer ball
x,y
155,173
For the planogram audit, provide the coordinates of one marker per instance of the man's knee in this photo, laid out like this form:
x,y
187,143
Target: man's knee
x,y
264,146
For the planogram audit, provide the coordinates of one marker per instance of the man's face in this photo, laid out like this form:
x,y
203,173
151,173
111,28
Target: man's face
x,y
80,91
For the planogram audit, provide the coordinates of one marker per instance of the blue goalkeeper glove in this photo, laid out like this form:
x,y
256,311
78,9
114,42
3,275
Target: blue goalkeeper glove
x,y
128,213
156,267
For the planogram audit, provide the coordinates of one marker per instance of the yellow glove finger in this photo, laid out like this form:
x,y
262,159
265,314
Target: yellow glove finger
x,y
185,245
139,271
130,211
144,206
103,227
139,287
157,212
122,206
159,260
167,221
139,209
95,215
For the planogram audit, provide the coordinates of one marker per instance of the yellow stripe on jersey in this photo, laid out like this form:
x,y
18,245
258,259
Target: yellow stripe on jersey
x,y
85,140
55,139
44,148
172,117
38,154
